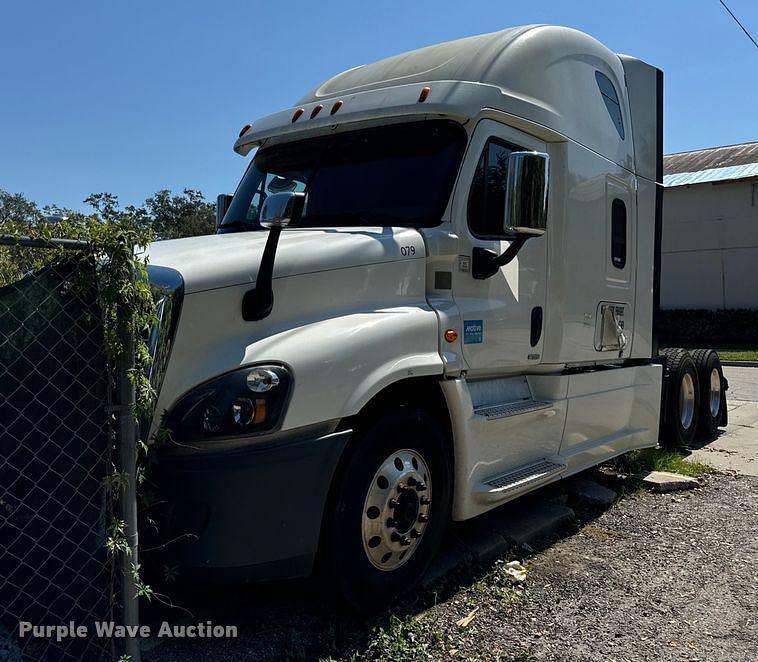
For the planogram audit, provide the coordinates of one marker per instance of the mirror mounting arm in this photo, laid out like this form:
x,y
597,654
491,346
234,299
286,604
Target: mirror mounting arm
x,y
278,211
258,302
486,263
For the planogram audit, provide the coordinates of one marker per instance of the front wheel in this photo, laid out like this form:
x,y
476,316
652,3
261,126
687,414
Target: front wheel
x,y
392,502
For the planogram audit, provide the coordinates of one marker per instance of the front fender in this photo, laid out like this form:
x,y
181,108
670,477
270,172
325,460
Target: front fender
x,y
340,363
345,333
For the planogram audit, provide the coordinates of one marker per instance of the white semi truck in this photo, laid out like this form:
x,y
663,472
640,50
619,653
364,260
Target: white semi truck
x,y
434,290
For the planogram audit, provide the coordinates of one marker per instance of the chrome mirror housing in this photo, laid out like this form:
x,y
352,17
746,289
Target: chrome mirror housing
x,y
526,193
282,209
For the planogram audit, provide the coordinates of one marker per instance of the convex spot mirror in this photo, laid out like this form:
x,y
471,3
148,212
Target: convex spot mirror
x,y
282,209
526,193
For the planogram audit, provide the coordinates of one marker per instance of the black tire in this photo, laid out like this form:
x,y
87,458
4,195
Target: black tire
x,y
712,397
681,414
345,560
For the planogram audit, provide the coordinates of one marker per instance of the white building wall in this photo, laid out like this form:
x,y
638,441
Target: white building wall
x,y
710,246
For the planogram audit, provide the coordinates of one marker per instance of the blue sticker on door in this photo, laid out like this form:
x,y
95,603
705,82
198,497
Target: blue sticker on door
x,y
473,332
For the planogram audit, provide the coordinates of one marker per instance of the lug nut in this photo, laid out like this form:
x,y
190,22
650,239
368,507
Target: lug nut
x,y
403,540
415,534
423,519
425,501
401,487
390,522
421,487
412,481
393,503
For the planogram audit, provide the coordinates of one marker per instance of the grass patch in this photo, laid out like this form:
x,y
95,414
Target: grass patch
x,y
743,355
402,639
498,587
431,635
656,459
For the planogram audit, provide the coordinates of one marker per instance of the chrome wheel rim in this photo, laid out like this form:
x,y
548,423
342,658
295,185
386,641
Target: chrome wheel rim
x,y
715,396
686,400
396,509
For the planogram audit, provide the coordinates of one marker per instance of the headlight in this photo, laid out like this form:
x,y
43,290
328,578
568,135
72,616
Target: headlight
x,y
244,402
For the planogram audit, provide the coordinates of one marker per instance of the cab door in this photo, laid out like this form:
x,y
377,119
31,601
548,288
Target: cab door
x,y
501,316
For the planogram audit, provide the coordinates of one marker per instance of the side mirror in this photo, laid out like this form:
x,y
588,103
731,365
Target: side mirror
x,y
223,202
526,193
282,209
525,210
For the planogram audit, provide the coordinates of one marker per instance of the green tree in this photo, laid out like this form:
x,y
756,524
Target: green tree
x,y
16,207
185,215
169,216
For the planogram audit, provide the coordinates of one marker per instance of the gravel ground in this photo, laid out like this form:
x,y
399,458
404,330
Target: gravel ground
x,y
655,577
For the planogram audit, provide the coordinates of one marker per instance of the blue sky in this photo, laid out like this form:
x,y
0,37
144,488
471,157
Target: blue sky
x,y
131,97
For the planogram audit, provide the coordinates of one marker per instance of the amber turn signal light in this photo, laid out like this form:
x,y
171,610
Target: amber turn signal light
x,y
451,335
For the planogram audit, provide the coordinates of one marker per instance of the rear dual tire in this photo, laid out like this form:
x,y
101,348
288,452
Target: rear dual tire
x,y
712,392
682,399
695,398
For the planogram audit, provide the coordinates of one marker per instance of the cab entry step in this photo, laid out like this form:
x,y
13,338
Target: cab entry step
x,y
491,412
502,485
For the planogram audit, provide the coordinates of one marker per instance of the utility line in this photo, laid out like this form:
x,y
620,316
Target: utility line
x,y
737,21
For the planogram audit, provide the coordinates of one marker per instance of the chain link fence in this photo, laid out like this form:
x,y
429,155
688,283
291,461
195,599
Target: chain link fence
x,y
64,430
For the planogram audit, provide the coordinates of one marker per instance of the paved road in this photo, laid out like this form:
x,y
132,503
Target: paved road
x,y
743,384
736,447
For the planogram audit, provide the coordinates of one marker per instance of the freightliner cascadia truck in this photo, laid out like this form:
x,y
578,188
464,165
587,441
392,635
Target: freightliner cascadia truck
x,y
434,290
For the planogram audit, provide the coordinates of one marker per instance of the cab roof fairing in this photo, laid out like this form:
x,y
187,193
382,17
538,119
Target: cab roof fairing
x,y
543,74
456,100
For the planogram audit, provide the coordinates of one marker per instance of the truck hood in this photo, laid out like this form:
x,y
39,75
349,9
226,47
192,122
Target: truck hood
x,y
224,260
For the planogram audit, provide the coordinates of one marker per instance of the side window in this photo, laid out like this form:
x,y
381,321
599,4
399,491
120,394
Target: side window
x,y
611,99
618,233
486,203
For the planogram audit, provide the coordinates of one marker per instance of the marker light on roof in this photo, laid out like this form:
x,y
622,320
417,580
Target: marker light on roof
x,y
316,110
245,129
337,105
424,94
297,113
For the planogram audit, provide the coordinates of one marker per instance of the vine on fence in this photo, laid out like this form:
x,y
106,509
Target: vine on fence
x,y
114,241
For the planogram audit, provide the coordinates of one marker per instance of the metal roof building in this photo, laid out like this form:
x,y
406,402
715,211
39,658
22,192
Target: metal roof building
x,y
714,164
710,228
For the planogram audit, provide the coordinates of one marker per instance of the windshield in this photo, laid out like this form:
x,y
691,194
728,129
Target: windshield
x,y
400,174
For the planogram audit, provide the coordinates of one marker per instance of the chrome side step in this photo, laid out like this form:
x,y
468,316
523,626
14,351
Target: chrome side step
x,y
518,480
492,412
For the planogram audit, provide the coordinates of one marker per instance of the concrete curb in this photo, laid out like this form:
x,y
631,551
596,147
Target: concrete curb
x,y
740,364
